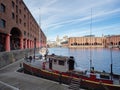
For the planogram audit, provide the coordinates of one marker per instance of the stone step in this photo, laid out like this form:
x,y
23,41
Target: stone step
x,y
75,81
75,84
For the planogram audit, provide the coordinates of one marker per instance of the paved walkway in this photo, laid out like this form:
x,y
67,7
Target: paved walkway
x,y
12,80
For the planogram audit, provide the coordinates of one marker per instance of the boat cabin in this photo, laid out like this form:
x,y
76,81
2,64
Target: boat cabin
x,y
59,63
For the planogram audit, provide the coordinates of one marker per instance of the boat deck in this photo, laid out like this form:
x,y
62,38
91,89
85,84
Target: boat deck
x,y
35,63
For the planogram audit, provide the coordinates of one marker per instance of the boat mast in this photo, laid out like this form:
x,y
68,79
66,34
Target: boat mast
x,y
90,42
40,19
40,27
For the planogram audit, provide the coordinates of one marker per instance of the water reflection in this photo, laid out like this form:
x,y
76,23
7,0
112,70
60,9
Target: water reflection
x,y
101,57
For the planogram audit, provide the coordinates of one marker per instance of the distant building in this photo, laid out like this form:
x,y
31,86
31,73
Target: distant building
x,y
92,41
64,44
113,41
64,41
86,42
51,44
58,40
18,28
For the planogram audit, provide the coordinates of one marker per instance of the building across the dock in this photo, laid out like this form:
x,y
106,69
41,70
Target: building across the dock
x,y
92,41
113,40
18,28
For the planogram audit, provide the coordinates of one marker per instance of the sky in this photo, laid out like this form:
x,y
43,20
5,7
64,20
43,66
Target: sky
x,y
76,18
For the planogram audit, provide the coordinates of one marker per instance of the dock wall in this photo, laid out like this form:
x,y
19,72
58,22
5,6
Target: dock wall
x,y
14,55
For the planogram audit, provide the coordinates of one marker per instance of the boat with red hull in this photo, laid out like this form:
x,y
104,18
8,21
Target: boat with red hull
x,y
58,68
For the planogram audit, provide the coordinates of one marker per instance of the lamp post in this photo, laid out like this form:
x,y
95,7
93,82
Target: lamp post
x,y
34,47
111,65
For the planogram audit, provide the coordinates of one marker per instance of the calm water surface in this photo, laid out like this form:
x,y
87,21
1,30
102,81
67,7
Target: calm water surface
x,y
101,57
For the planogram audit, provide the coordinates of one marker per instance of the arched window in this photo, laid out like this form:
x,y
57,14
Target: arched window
x,y
86,43
95,43
111,43
75,43
119,43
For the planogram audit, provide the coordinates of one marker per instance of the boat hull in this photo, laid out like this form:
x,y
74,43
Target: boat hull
x,y
66,78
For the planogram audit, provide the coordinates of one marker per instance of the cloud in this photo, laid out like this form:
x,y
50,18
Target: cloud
x,y
104,14
68,15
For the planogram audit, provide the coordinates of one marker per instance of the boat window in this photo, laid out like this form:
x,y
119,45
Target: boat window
x,y
55,61
60,62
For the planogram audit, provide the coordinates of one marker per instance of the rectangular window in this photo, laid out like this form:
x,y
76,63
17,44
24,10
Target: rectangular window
x,y
24,16
24,24
20,21
20,2
60,62
13,4
25,33
17,1
16,18
2,8
2,23
16,9
13,15
20,11
28,34
55,61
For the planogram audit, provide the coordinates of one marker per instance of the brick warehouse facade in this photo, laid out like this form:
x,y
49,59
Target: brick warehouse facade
x,y
18,28
92,41
113,41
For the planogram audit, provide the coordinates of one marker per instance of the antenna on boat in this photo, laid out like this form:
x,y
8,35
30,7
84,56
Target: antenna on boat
x,y
90,42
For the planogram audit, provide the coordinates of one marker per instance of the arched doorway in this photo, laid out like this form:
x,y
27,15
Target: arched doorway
x,y
2,42
75,43
95,43
15,39
86,43
111,43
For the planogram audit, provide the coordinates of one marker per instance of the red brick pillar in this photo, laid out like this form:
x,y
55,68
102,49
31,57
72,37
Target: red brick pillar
x,y
39,44
32,44
21,43
29,43
7,42
25,43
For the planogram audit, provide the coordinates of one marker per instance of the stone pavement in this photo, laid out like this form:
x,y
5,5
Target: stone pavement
x,y
12,80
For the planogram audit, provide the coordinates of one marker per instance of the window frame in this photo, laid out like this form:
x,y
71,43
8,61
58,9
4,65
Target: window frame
x,y
2,7
2,23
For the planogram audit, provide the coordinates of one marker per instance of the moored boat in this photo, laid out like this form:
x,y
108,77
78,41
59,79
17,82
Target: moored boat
x,y
61,69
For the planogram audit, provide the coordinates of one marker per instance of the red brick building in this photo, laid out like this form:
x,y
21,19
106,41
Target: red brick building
x,y
18,28
113,41
86,42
